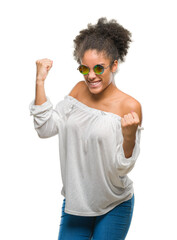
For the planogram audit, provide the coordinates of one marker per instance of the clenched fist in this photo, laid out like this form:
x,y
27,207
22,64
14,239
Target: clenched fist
x,y
129,124
43,66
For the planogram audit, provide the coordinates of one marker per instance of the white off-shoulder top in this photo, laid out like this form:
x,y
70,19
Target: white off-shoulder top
x,y
93,165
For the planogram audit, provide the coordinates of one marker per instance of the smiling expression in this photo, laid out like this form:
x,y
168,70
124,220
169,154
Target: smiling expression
x,y
97,83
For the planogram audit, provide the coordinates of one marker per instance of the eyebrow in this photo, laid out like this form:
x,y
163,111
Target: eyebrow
x,y
96,64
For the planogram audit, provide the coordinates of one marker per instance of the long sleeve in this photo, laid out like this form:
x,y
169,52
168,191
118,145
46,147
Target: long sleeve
x,y
45,118
124,165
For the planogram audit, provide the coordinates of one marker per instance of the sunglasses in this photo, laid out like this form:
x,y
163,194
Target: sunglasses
x,y
98,69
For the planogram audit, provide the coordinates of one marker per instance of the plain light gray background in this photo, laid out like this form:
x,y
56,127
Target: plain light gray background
x,y
30,179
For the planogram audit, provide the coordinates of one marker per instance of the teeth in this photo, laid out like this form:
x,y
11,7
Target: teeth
x,y
95,83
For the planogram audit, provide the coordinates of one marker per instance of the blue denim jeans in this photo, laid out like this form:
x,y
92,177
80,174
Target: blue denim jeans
x,y
113,225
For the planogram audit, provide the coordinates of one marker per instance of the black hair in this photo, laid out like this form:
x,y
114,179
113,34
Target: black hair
x,y
107,37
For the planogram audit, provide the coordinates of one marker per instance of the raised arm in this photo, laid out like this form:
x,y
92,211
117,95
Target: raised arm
x,y
128,149
42,68
45,117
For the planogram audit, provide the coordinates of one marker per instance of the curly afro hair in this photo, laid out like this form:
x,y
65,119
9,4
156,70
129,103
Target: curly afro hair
x,y
109,38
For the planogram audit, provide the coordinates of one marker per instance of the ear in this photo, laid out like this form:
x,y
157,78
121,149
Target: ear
x,y
114,66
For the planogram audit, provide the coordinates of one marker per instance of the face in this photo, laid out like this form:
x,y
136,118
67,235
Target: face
x,y
92,58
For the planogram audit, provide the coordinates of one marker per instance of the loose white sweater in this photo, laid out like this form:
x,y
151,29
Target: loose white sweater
x,y
93,165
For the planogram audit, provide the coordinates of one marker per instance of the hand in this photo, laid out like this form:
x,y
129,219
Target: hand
x,y
43,67
129,124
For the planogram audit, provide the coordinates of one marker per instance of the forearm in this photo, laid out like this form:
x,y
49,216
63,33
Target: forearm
x,y
40,96
128,145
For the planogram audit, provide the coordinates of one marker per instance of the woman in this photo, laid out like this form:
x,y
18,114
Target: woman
x,y
99,136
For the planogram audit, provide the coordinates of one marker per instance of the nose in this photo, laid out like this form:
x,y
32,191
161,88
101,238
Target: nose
x,y
91,75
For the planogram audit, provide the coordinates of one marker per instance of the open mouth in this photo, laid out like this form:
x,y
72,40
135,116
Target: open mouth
x,y
95,84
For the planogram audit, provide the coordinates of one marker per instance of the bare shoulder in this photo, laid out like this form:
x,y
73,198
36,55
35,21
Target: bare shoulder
x,y
131,104
76,89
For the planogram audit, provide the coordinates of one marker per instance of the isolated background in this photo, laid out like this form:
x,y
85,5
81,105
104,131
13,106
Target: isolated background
x,y
30,179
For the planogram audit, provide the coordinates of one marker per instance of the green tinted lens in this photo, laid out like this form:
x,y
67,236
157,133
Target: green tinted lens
x,y
83,69
98,69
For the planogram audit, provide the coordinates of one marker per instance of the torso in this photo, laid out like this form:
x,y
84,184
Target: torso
x,y
115,103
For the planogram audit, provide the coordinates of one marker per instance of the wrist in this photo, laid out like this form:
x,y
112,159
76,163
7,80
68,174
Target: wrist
x,y
129,139
128,146
39,82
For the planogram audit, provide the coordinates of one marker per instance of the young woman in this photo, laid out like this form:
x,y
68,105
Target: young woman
x,y
99,129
